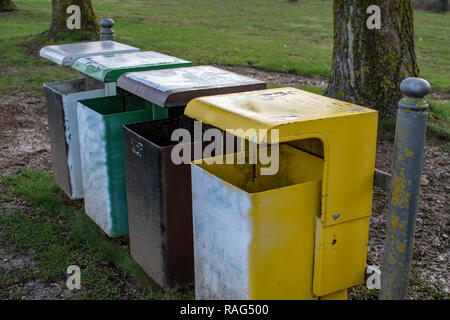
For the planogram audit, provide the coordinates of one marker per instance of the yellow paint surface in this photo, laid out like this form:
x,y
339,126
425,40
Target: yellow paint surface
x,y
284,212
340,247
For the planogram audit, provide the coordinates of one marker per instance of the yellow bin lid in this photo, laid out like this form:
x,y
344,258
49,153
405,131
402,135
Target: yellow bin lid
x,y
292,111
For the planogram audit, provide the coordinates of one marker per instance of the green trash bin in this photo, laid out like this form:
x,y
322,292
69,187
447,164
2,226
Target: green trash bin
x,y
102,162
101,134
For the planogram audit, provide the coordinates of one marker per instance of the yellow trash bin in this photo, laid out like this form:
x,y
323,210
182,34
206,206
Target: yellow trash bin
x,y
288,219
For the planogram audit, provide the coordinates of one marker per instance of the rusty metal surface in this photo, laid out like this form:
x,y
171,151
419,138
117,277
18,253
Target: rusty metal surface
x,y
176,87
159,202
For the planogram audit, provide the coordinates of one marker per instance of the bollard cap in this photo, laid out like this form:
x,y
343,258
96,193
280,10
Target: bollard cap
x,y
414,91
107,33
107,23
415,87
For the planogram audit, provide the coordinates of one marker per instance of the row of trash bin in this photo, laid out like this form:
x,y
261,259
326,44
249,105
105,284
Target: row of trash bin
x,y
300,232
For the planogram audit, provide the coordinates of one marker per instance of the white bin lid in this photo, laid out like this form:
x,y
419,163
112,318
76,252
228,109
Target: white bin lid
x,y
177,86
66,54
108,67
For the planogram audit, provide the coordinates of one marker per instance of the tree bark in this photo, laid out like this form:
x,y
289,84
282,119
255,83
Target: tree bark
x,y
443,5
7,5
89,25
368,65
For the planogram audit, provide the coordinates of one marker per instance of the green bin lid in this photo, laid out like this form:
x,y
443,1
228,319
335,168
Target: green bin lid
x,y
107,68
176,87
66,54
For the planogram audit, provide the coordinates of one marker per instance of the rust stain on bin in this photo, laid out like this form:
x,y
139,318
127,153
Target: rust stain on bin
x,y
159,202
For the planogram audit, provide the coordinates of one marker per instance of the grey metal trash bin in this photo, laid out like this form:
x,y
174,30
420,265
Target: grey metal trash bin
x,y
61,101
61,98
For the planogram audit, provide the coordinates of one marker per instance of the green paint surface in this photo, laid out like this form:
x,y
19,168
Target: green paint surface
x,y
115,112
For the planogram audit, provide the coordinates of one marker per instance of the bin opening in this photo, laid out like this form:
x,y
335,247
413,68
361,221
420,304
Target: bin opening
x,y
117,104
159,132
313,146
295,166
75,86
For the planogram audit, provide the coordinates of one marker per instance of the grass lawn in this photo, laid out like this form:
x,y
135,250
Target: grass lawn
x,y
61,235
287,37
268,34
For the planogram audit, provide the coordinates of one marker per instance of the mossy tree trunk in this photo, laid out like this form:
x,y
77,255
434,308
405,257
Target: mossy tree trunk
x,y
7,5
368,65
89,25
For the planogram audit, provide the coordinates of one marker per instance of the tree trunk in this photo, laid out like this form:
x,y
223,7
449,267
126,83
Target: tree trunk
x,y
368,65
7,5
89,25
443,5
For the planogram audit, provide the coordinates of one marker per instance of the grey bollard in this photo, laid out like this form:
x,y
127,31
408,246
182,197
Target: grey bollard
x,y
107,33
405,187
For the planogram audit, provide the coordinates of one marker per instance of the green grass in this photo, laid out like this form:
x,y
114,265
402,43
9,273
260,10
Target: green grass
x,y
63,235
268,34
273,35
439,119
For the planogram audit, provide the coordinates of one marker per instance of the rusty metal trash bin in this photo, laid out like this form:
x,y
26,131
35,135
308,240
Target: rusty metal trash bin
x,y
158,190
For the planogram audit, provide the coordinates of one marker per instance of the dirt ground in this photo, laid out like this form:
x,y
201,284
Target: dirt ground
x,y
24,143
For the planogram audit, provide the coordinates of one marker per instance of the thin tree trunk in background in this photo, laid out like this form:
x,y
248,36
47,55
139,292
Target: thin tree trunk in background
x,y
7,5
368,65
89,24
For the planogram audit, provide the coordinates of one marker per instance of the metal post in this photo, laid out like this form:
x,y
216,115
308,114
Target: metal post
x,y
107,33
405,187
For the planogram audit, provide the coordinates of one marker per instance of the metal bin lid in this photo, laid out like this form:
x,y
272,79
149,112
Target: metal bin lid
x,y
109,67
66,54
176,87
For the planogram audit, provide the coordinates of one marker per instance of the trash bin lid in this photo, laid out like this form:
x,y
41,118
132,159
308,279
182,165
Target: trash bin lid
x,y
108,68
176,87
289,109
66,54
